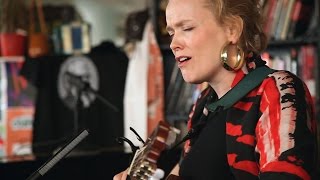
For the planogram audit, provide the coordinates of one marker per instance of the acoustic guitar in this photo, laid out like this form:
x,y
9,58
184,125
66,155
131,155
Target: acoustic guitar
x,y
144,162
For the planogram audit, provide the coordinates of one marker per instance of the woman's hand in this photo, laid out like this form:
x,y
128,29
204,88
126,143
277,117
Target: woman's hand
x,y
121,176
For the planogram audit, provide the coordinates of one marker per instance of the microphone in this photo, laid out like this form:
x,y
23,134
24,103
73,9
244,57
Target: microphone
x,y
77,81
84,85
58,156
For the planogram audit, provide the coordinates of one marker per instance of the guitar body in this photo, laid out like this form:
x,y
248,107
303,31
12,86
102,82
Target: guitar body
x,y
144,163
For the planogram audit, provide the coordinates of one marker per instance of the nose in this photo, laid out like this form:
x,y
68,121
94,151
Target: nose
x,y
175,44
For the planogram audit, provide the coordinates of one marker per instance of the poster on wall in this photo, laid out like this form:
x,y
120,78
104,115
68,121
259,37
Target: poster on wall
x,y
17,108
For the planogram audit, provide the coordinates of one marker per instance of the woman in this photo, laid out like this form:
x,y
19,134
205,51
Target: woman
x,y
267,134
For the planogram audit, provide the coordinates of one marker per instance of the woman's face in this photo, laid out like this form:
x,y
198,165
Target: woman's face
x,y
197,39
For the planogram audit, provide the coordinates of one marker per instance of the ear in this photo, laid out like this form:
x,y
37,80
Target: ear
x,y
234,28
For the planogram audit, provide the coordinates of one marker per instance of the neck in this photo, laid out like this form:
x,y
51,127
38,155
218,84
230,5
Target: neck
x,y
222,84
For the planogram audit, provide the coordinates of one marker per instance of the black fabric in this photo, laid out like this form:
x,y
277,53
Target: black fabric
x,y
207,158
54,122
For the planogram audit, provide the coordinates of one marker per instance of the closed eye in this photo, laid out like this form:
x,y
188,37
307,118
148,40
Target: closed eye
x,y
188,29
170,34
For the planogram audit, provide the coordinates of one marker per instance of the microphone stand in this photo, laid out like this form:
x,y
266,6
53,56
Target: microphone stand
x,y
88,88
76,112
58,156
84,86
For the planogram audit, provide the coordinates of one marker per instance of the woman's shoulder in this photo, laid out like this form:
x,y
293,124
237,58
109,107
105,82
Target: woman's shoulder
x,y
282,79
284,85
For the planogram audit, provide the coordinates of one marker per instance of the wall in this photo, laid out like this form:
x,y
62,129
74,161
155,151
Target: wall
x,y
107,17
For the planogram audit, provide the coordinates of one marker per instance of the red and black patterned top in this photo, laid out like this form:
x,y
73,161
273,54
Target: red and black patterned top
x,y
270,133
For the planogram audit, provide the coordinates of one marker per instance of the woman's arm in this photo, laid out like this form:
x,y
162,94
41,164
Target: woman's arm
x,y
286,130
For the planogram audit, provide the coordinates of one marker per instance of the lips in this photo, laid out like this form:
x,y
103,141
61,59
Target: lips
x,y
181,59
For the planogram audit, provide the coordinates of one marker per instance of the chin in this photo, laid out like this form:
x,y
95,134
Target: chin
x,y
191,80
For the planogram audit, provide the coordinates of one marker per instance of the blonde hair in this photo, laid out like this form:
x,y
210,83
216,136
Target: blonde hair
x,y
252,38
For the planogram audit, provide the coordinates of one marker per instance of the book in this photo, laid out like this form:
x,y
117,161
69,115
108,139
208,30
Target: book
x,y
287,17
302,17
294,52
269,11
294,18
276,15
75,38
281,18
307,66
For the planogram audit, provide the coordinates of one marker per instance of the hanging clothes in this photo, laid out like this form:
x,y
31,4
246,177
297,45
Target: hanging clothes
x,y
144,91
155,83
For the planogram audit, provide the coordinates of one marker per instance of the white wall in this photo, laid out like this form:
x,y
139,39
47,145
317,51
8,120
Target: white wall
x,y
107,17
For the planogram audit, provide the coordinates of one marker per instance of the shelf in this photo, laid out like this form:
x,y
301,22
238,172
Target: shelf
x,y
294,42
12,58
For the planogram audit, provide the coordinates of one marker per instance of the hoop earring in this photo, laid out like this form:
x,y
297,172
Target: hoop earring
x,y
232,57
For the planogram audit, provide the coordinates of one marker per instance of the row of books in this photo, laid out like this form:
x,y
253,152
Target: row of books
x,y
288,19
298,60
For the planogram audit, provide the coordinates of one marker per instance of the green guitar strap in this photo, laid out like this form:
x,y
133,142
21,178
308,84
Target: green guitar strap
x,y
249,82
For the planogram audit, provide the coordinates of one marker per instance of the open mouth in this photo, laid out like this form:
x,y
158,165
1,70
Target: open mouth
x,y
183,59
